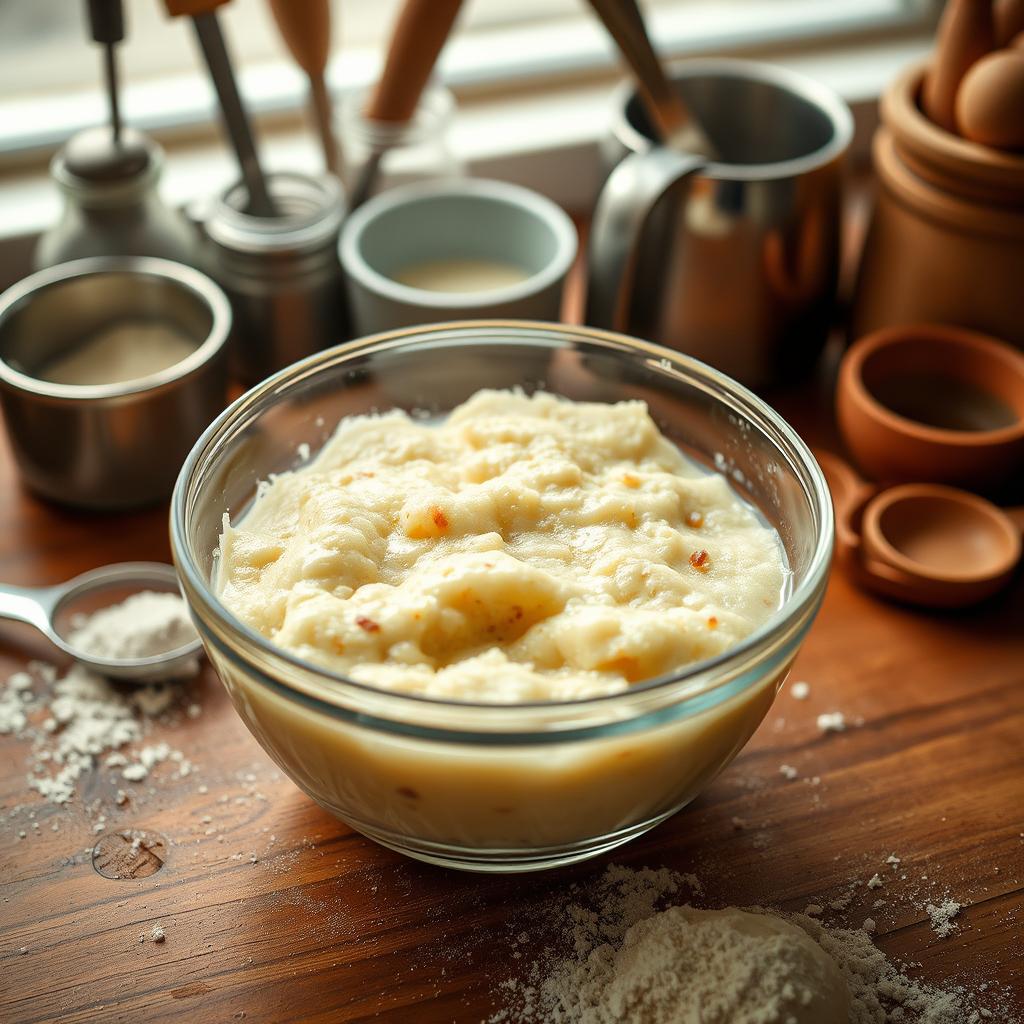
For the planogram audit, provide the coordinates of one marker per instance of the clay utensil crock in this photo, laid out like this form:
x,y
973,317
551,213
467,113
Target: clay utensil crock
x,y
946,238
965,35
933,403
925,544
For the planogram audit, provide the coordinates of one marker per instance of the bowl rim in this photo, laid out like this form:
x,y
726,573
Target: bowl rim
x,y
795,612
808,89
176,274
981,347
425,193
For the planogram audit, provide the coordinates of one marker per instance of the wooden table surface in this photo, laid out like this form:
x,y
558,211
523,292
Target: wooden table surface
x,y
327,926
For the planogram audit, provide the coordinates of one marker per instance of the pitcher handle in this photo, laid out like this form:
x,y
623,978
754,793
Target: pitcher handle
x,y
626,201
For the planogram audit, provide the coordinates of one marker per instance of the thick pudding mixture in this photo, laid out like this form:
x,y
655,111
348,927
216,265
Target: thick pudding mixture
x,y
525,548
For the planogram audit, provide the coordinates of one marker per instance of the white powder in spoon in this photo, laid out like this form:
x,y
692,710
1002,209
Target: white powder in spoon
x,y
146,624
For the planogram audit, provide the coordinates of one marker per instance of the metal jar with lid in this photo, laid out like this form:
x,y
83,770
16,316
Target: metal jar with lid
x,y
281,273
111,203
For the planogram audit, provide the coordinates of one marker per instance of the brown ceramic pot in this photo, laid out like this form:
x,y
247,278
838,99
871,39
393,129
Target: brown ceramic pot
x,y
932,403
946,239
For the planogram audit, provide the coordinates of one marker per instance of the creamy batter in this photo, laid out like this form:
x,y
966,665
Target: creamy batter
x,y
462,275
526,548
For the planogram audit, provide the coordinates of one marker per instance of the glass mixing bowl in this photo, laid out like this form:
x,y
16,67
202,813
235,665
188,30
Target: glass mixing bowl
x,y
500,787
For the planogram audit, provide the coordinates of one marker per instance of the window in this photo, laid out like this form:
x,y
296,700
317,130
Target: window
x,y
50,72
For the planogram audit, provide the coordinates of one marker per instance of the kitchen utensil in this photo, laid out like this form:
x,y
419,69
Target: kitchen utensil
x,y
106,25
306,30
111,203
52,610
211,42
734,262
926,544
675,124
405,152
421,31
965,34
281,273
465,220
933,403
558,766
945,243
114,445
1008,16
990,101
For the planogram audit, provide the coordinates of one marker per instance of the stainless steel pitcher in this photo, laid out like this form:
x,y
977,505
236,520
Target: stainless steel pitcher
x,y
732,261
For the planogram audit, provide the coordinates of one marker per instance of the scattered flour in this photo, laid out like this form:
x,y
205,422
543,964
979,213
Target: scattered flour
x,y
80,719
143,625
621,955
942,917
832,721
801,691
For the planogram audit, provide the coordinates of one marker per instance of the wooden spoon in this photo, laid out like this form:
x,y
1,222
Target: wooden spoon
x,y
966,33
305,27
926,544
672,119
421,31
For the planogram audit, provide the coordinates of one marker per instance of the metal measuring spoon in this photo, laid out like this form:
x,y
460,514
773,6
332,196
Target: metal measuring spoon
x,y
922,543
44,608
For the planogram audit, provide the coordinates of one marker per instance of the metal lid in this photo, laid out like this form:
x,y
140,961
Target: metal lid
x,y
93,158
311,210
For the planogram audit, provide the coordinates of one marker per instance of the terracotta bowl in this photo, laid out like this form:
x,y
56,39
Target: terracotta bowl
x,y
933,403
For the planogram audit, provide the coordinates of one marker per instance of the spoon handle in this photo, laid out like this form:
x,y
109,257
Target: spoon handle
x,y
849,494
32,605
1016,516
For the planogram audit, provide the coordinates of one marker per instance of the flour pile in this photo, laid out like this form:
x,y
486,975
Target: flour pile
x,y
142,626
634,960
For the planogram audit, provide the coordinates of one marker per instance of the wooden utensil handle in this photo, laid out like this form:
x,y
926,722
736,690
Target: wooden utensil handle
x,y
305,26
420,33
624,22
177,8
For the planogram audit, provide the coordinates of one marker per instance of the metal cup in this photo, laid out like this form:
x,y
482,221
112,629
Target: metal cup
x,y
734,260
109,446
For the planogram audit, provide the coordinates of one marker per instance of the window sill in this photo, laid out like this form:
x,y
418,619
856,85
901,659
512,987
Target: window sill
x,y
543,137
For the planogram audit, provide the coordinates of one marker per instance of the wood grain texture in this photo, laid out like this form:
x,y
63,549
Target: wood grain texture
x,y
327,926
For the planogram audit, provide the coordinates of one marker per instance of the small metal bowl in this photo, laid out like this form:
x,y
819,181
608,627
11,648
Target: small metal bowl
x,y
109,446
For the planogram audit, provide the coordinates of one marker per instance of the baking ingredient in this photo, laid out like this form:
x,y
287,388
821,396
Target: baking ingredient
x,y
467,275
990,101
800,691
965,34
144,625
77,719
832,721
621,956
125,351
527,548
688,966
942,917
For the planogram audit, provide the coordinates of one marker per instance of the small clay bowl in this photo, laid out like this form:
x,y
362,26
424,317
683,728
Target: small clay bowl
x,y
924,544
933,403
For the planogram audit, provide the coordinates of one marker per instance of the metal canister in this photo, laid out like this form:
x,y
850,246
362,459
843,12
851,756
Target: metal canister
x,y
280,273
114,445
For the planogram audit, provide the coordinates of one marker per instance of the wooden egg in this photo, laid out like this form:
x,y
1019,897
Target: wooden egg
x,y
990,101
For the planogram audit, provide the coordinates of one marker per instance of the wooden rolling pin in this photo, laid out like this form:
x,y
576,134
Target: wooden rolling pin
x,y
422,28
305,26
